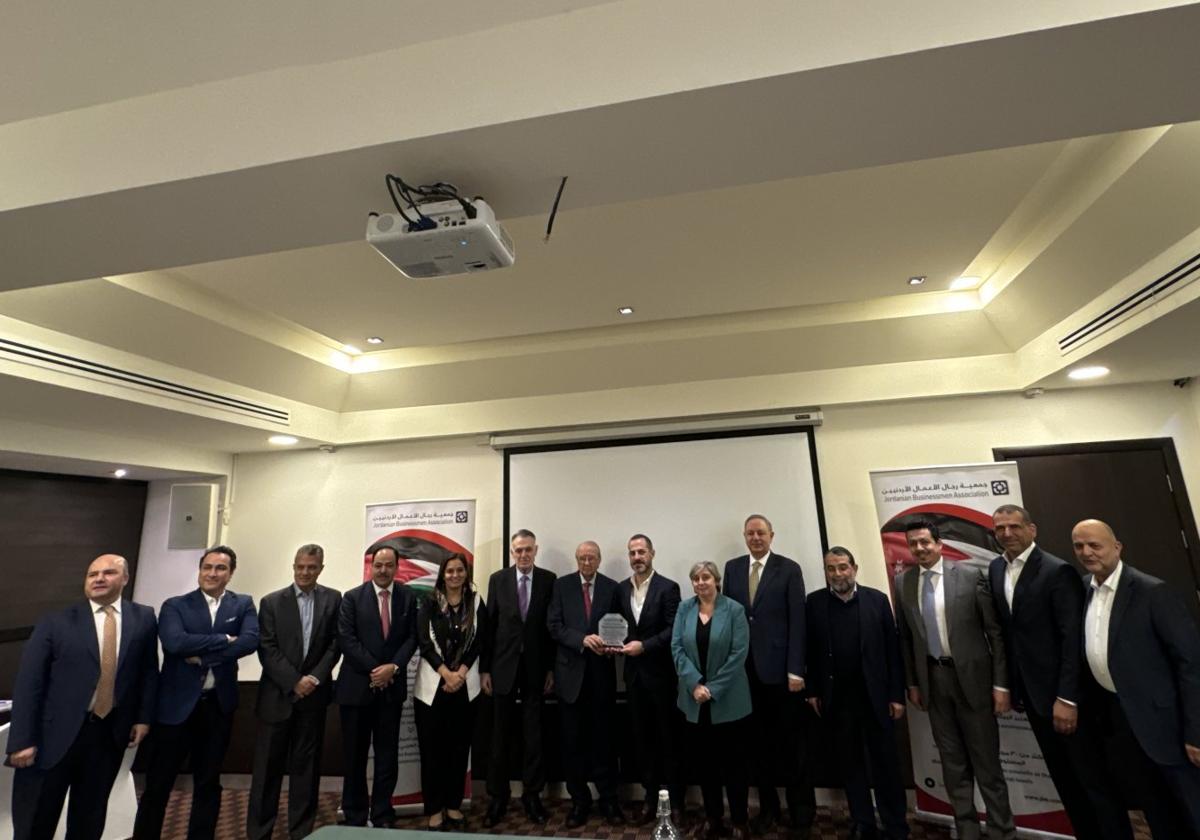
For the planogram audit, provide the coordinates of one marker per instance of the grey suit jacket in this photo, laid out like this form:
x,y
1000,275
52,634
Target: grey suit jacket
x,y
281,651
976,641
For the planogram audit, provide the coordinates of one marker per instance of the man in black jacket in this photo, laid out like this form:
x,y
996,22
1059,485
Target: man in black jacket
x,y
585,680
1143,650
517,666
856,685
298,649
377,635
1039,601
648,603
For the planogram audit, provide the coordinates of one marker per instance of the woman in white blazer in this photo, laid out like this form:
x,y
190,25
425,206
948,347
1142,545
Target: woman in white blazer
x,y
450,622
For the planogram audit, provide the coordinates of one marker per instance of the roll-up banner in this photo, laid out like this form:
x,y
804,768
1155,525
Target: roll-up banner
x,y
423,533
960,500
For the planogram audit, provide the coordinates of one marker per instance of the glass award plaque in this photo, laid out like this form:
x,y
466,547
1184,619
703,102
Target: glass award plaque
x,y
613,630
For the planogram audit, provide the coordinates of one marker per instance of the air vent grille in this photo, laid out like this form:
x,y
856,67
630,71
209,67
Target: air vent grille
x,y
1174,280
74,364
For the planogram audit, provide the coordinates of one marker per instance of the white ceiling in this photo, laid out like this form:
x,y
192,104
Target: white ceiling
x,y
764,227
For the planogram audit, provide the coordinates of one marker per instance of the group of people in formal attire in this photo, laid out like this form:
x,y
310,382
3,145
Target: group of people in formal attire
x,y
729,687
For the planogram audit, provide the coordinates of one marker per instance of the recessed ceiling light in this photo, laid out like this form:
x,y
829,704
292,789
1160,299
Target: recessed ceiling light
x,y
916,280
1092,372
374,340
283,440
625,310
351,349
120,473
959,284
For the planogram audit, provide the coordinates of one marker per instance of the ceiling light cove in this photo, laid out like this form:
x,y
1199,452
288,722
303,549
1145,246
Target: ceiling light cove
x,y
916,280
351,349
1090,372
283,440
625,310
962,284
374,340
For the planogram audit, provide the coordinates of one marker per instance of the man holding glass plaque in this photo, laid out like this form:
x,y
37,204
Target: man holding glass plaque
x,y
585,680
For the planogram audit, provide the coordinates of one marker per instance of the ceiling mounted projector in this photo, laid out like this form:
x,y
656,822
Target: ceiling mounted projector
x,y
441,238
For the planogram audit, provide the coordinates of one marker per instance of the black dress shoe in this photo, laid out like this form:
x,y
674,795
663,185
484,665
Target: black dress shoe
x,y
612,813
861,832
535,812
495,813
741,831
456,824
578,815
764,822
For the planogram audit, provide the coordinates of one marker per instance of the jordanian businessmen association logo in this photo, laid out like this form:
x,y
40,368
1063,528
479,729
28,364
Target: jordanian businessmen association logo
x,y
1000,488
460,516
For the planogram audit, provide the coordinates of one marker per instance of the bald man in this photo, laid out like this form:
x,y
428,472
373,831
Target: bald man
x,y
1143,651
85,693
585,680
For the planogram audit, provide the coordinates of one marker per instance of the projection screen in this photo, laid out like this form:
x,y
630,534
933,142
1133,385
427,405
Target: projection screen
x,y
690,495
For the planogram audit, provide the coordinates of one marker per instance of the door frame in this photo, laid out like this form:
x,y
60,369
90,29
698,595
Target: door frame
x,y
1165,446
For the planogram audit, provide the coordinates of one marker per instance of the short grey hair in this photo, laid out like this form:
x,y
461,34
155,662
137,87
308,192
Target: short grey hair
x,y
705,566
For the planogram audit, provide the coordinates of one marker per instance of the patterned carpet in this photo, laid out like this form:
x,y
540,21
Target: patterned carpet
x,y
831,822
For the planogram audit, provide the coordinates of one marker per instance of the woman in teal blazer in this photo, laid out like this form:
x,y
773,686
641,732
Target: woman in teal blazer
x,y
709,643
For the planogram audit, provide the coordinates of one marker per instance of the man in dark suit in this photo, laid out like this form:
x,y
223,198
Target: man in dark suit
x,y
585,680
1039,601
648,602
298,649
954,662
771,589
516,665
203,634
856,684
1143,650
377,635
84,694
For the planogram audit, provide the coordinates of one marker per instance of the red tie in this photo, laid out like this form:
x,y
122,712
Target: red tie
x,y
587,600
385,612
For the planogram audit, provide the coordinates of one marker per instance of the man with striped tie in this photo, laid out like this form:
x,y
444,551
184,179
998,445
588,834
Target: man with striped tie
x,y
85,693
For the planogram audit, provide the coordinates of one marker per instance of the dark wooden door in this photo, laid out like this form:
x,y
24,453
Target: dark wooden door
x,y
1136,486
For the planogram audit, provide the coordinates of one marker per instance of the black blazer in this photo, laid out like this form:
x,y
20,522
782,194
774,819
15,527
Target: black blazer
x,y
568,625
60,667
360,637
281,651
882,667
433,632
1154,660
509,636
654,668
777,625
1043,633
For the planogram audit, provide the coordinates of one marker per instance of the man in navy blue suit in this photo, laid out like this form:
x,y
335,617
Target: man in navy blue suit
x,y
585,680
203,634
856,685
377,633
770,587
649,602
1143,651
84,693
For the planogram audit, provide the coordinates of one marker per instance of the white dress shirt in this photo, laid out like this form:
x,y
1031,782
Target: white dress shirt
x,y
938,570
1095,626
1012,572
637,595
213,605
98,616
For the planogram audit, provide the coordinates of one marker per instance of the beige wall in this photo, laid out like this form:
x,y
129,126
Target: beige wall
x,y
280,500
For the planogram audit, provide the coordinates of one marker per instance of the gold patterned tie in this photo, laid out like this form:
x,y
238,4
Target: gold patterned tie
x,y
108,665
755,568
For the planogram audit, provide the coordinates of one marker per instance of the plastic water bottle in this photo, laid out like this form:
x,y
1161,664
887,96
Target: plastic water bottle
x,y
665,829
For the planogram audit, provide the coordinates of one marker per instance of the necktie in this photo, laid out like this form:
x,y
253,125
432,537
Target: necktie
x,y
385,612
587,600
108,665
523,595
755,570
929,616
